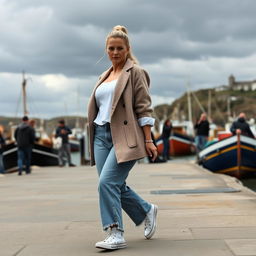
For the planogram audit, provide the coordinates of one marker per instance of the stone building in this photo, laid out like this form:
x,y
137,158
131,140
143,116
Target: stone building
x,y
241,85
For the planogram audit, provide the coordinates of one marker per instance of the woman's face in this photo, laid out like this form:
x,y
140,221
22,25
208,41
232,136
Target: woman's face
x,y
117,50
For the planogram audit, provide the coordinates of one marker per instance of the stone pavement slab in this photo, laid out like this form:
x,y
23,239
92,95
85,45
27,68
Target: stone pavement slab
x,y
242,247
54,212
223,233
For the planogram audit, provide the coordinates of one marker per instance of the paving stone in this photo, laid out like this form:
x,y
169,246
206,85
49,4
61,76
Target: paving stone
x,y
54,211
242,247
224,233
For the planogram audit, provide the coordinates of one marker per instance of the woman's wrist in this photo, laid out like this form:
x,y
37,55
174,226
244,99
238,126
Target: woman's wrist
x,y
148,141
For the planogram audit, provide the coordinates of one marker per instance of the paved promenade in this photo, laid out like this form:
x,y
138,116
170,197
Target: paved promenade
x,y
54,212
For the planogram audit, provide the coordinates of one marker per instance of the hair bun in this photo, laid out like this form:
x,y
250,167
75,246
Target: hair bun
x,y
120,28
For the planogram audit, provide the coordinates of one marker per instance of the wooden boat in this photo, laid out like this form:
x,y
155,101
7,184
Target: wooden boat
x,y
41,156
180,144
74,139
43,153
74,145
234,156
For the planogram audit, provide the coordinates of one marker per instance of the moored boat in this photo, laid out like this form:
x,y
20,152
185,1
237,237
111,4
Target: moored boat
x,y
180,144
41,156
234,156
43,153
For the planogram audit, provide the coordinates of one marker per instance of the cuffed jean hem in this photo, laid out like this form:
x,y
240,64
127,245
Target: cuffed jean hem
x,y
116,225
139,223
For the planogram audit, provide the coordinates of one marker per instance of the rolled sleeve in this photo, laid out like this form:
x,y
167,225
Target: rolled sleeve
x,y
142,100
146,121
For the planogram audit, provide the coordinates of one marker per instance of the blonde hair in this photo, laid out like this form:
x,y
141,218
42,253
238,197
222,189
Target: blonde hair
x,y
122,32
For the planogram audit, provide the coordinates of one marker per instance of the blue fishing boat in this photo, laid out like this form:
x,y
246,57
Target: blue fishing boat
x,y
235,156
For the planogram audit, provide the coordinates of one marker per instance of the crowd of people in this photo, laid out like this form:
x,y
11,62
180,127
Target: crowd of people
x,y
25,138
202,130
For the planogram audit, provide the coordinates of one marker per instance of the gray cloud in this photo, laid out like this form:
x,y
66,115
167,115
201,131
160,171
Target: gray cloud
x,y
173,39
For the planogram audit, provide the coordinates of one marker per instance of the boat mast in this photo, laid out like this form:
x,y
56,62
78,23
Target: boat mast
x,y
209,104
24,94
189,104
78,109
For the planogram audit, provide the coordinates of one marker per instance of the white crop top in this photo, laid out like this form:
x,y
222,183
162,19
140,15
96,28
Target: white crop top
x,y
104,96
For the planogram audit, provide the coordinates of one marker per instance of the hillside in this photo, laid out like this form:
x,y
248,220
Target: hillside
x,y
239,101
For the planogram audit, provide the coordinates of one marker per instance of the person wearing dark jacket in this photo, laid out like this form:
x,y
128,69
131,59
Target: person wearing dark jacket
x,y
2,144
64,151
25,138
241,126
202,128
166,132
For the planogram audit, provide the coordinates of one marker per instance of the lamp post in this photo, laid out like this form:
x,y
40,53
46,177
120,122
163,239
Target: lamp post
x,y
229,99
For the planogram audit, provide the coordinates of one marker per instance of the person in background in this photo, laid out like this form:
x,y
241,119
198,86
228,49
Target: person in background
x,y
120,121
64,151
202,128
166,132
25,138
240,126
2,144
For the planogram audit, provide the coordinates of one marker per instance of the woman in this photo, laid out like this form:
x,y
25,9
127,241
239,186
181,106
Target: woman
x,y
120,121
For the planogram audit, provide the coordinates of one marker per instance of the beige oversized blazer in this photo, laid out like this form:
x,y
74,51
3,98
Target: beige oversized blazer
x,y
131,101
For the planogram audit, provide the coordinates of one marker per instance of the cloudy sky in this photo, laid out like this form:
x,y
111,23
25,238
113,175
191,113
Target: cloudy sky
x,y
59,43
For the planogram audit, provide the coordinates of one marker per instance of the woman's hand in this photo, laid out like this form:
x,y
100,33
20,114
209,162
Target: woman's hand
x,y
151,150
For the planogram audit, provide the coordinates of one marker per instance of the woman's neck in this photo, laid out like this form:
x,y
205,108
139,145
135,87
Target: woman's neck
x,y
117,68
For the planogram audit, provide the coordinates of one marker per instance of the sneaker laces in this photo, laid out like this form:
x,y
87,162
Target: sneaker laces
x,y
147,222
108,235
112,236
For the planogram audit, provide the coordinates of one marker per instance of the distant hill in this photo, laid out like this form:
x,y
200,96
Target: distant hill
x,y
239,101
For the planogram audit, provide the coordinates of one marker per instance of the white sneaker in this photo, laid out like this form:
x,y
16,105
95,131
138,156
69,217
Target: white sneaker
x,y
113,241
150,222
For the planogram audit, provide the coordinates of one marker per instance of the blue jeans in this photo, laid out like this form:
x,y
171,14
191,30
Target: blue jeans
x,y
200,141
114,194
1,163
24,158
64,154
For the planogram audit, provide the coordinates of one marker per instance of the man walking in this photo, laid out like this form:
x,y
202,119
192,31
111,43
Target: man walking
x,y
64,151
202,132
25,137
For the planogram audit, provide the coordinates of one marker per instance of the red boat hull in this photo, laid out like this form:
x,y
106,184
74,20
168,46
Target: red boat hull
x,y
178,146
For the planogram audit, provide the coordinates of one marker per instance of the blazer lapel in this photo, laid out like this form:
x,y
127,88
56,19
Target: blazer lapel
x,y
102,78
92,106
121,84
